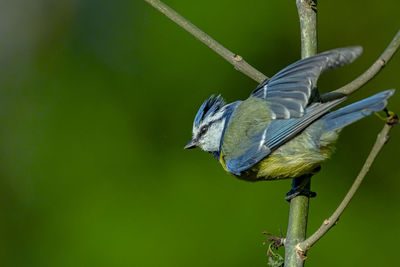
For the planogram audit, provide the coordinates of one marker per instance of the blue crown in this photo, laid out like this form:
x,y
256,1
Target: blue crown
x,y
210,106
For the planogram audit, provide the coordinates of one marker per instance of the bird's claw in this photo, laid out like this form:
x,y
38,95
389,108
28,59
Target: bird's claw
x,y
300,187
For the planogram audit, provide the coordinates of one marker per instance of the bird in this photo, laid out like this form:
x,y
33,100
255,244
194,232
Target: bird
x,y
283,130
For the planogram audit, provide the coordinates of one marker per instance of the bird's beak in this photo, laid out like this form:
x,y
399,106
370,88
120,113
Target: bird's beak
x,y
191,144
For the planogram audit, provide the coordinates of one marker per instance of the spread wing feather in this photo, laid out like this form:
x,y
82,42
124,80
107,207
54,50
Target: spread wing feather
x,y
292,86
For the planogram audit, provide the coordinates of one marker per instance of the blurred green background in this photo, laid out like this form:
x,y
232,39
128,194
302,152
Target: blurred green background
x,y
97,100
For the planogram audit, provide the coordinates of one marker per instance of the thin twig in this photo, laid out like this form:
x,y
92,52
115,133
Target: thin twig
x,y
368,74
237,61
331,221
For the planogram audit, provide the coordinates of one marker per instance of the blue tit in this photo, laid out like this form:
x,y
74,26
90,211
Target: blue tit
x,y
282,130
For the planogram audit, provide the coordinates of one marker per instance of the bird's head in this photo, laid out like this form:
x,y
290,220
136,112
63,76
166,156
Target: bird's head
x,y
208,125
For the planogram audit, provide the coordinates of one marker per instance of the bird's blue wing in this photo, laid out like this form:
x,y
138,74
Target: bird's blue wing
x,y
274,135
288,92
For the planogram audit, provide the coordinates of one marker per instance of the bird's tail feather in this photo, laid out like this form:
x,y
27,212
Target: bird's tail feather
x,y
342,117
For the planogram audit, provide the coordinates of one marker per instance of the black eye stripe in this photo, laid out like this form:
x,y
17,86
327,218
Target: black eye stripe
x,y
203,129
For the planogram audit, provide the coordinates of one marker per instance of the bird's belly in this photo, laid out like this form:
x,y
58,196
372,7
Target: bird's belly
x,y
298,157
277,166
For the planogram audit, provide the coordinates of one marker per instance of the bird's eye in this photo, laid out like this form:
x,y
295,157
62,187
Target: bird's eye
x,y
203,129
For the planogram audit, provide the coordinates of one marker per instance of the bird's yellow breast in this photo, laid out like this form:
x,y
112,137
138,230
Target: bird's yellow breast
x,y
300,156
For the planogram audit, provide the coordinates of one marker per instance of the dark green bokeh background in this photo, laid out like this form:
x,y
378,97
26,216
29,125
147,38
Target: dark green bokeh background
x,y
97,100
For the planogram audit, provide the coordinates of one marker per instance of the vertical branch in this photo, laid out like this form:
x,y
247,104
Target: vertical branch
x,y
297,225
307,10
298,214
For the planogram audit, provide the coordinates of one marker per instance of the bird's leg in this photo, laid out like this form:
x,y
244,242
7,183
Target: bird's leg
x,y
301,187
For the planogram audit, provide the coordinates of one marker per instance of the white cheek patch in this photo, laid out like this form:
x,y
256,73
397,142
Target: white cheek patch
x,y
211,140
